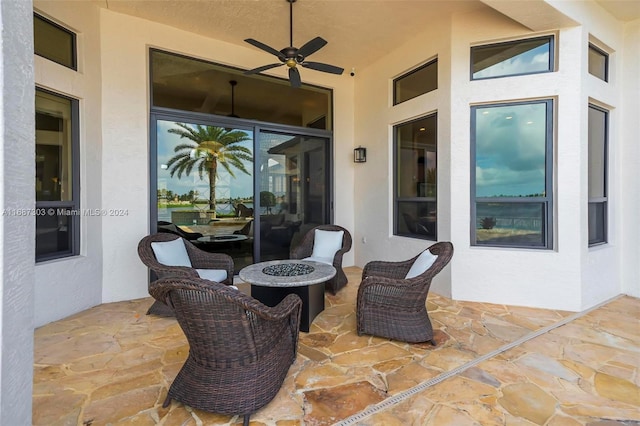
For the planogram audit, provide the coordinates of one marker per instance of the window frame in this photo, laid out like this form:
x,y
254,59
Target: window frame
x,y
73,205
411,72
551,68
397,200
546,200
604,200
605,55
74,42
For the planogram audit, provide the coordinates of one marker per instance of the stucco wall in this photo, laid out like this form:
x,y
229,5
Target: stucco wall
x,y
125,43
629,163
570,276
17,158
69,285
375,118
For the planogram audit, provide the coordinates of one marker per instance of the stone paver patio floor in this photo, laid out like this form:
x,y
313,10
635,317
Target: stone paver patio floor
x,y
112,365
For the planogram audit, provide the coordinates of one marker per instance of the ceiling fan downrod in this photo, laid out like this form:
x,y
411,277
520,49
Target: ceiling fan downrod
x,y
291,2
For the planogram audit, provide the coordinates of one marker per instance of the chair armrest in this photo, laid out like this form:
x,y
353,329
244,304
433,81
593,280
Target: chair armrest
x,y
201,259
163,271
394,270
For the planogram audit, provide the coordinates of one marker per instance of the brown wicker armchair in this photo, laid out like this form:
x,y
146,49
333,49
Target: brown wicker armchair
x,y
199,259
239,349
391,306
305,249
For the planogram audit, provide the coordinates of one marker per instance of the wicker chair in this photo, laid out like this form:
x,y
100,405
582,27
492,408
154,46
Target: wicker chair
x,y
200,259
388,305
173,229
239,349
305,248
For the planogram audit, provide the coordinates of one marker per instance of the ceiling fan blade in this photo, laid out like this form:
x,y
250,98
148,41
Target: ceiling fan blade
x,y
318,66
312,46
262,68
266,48
294,77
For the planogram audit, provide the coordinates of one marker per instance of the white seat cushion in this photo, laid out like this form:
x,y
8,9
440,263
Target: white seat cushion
x,y
422,263
218,275
326,244
327,260
171,253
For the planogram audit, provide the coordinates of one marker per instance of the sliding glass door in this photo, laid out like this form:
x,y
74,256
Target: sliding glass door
x,y
205,186
243,190
292,180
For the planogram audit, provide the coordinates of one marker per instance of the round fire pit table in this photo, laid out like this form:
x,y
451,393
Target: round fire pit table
x,y
272,281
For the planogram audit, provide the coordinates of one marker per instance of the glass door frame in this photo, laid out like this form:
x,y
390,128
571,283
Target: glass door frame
x,y
166,114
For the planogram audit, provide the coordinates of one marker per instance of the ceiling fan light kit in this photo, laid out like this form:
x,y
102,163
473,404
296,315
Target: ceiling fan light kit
x,y
293,56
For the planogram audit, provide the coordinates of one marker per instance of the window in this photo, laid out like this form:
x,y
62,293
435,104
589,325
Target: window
x,y
518,57
598,63
416,82
511,167
54,42
598,130
189,84
416,178
57,178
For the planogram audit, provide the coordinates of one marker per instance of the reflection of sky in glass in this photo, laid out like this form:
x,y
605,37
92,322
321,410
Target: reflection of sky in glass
x,y
241,186
534,60
510,150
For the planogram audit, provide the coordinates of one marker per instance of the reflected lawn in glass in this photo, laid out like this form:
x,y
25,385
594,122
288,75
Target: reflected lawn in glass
x,y
510,224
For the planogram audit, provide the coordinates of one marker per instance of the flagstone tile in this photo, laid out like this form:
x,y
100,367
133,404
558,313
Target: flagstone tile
x,y
617,389
560,420
528,401
120,406
318,340
371,355
112,364
64,407
348,342
447,358
408,376
445,415
312,353
327,406
325,375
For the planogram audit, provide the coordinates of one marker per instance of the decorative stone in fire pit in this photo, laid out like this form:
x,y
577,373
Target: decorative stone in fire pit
x,y
288,269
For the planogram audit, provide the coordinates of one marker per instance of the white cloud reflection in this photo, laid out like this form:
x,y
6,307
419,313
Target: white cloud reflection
x,y
510,150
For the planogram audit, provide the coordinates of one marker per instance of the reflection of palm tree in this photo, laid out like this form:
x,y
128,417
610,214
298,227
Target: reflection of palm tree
x,y
211,146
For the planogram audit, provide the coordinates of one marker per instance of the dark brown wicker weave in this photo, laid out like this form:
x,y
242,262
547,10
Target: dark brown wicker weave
x,y
200,259
388,305
305,248
239,349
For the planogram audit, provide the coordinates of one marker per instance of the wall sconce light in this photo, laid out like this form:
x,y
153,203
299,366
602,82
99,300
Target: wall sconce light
x,y
360,155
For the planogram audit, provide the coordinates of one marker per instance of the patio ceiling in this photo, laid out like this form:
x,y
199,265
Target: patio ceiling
x,y
358,31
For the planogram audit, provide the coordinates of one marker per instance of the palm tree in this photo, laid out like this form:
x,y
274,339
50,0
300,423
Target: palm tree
x,y
209,148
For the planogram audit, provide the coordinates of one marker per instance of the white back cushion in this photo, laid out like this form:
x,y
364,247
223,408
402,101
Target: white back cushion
x,y
171,253
422,263
326,243
218,275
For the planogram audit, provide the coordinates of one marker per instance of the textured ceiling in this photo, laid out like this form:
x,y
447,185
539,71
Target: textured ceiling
x,y
358,31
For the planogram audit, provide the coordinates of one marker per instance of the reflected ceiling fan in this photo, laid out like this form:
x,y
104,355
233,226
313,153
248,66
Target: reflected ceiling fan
x,y
292,56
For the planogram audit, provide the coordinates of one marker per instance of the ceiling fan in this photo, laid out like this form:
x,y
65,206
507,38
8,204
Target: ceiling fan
x,y
293,56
